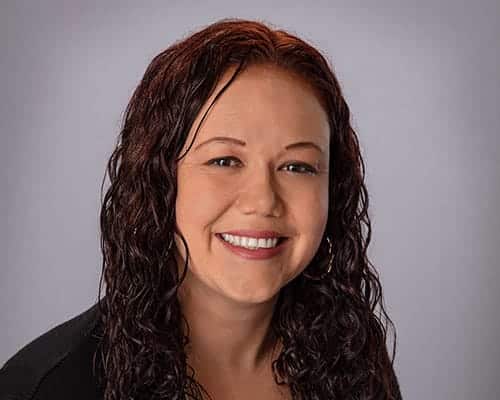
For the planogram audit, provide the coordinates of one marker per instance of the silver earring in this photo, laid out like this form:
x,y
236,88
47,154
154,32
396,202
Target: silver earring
x,y
330,254
330,263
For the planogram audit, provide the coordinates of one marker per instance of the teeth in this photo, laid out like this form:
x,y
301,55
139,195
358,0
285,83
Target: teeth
x,y
250,243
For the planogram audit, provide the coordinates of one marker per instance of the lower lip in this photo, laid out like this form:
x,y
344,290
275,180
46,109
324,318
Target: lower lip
x,y
257,254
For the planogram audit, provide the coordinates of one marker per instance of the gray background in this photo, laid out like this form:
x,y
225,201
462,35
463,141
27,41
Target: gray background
x,y
423,85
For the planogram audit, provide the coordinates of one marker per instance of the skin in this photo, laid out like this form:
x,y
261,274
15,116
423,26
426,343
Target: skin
x,y
228,300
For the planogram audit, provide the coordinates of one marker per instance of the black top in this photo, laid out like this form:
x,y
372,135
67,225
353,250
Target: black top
x,y
56,365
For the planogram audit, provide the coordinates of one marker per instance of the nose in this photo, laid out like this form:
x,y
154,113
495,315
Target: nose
x,y
260,194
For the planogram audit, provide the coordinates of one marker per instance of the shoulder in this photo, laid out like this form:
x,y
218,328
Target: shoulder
x,y
56,364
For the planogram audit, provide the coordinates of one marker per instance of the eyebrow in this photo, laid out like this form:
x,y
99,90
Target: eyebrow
x,y
225,139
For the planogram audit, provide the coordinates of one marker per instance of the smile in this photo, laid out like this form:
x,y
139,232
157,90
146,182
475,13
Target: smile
x,y
255,253
251,242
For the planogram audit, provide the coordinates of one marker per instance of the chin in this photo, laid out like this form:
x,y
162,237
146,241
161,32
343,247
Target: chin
x,y
251,297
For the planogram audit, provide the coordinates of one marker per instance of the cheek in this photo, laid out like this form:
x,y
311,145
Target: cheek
x,y
311,207
200,199
310,215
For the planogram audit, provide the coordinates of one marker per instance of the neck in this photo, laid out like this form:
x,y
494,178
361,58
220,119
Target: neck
x,y
224,334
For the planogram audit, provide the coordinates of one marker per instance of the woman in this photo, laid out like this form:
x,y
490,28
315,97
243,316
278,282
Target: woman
x,y
232,232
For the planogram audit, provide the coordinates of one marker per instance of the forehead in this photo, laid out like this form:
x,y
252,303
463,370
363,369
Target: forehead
x,y
264,103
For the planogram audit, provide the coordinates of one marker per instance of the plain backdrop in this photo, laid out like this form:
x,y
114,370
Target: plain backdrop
x,y
422,81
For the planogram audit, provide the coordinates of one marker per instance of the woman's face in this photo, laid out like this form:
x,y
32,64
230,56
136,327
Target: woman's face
x,y
262,186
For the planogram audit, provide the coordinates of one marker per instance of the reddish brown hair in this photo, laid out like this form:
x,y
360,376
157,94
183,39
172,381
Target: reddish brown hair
x,y
334,345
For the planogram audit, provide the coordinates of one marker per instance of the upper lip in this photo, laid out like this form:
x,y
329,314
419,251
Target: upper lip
x,y
254,233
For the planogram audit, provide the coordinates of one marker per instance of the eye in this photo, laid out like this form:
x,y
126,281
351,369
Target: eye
x,y
215,161
303,167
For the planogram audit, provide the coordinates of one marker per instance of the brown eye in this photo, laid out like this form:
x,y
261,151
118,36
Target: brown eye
x,y
216,161
305,168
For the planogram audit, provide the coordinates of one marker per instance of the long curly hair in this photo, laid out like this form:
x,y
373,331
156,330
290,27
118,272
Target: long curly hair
x,y
334,343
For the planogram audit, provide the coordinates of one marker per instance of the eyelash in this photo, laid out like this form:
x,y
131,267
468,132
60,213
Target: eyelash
x,y
309,169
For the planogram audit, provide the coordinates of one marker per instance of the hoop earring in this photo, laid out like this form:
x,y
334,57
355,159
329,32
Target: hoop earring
x,y
330,263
